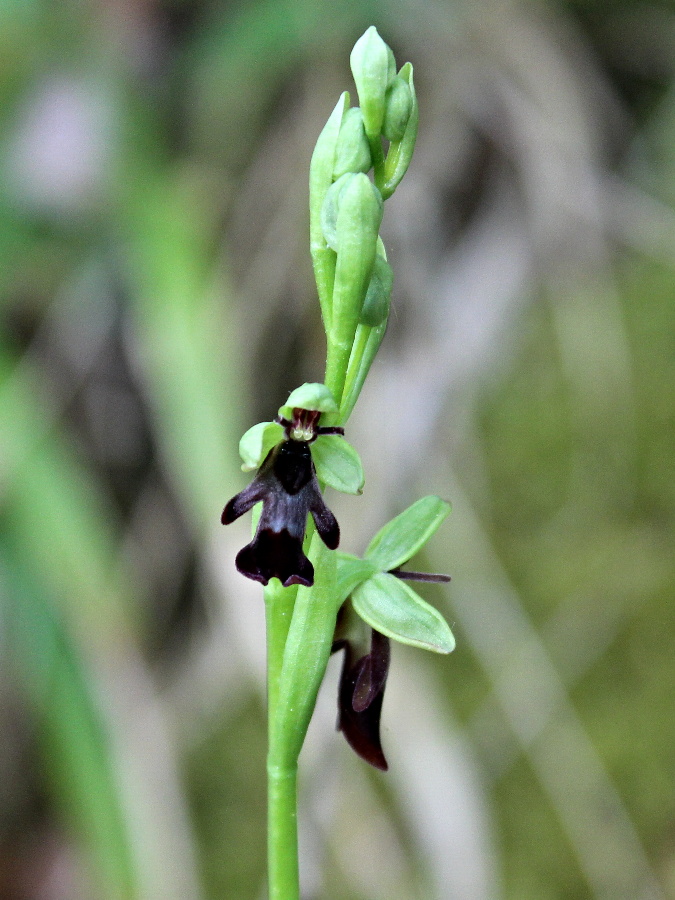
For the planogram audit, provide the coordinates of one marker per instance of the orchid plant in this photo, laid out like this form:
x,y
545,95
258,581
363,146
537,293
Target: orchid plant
x,y
319,600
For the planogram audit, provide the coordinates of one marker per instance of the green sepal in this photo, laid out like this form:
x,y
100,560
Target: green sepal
x,y
338,464
351,572
403,536
400,152
257,442
393,608
398,107
353,150
373,67
311,395
375,308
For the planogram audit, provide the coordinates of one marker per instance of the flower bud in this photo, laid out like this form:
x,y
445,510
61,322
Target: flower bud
x,y
401,150
398,106
331,207
373,67
358,221
376,305
353,150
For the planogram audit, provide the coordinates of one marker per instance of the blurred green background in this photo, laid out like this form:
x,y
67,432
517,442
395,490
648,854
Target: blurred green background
x,y
157,300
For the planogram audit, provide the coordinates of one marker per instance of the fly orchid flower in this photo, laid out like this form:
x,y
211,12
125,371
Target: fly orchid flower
x,y
286,484
373,593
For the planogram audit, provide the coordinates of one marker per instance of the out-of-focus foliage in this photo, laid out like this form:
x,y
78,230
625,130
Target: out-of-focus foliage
x,y
157,300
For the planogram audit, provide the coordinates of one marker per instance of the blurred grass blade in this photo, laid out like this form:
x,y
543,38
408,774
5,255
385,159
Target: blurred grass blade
x,y
73,734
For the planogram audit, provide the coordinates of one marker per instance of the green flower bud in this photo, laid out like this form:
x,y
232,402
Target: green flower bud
x,y
358,221
320,180
373,67
398,106
353,149
376,305
401,151
330,209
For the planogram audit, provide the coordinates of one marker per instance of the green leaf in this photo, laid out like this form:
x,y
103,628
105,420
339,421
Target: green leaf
x,y
338,464
393,608
257,442
401,538
351,571
311,395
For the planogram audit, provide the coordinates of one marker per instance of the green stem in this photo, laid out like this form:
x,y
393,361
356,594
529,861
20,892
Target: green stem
x,y
337,362
297,658
282,832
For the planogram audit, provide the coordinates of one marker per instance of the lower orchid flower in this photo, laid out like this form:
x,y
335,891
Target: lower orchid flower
x,y
374,596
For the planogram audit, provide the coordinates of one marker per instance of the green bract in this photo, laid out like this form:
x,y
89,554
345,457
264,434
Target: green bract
x,y
257,442
353,149
311,395
373,67
392,607
338,464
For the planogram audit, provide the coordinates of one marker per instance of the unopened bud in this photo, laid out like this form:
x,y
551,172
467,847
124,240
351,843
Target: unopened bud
x,y
398,106
373,67
353,149
331,207
376,305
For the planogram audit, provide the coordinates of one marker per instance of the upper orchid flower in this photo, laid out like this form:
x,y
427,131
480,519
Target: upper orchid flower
x,y
287,485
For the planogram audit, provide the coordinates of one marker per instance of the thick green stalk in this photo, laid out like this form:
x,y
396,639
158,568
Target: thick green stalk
x,y
282,831
282,835
294,676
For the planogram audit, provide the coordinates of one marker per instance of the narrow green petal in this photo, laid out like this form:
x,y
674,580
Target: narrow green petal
x,y
338,464
393,608
401,538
